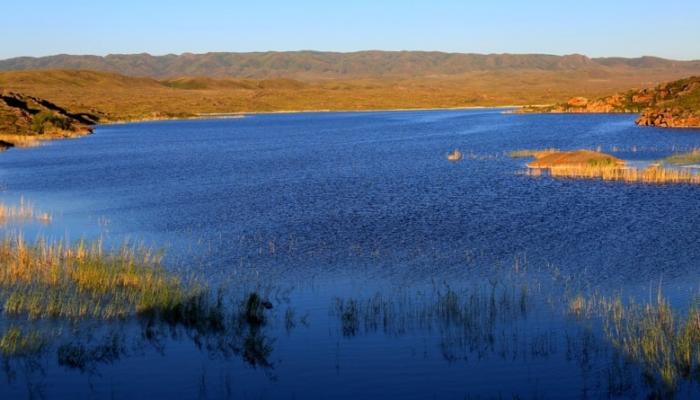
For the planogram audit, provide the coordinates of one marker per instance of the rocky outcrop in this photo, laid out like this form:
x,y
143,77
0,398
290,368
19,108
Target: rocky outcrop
x,y
670,105
675,105
22,115
618,103
669,118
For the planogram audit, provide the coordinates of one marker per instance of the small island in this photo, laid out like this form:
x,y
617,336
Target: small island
x,y
588,164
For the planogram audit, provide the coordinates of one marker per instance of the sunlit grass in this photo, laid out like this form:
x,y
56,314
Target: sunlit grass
x,y
612,172
664,342
24,211
60,280
20,140
691,157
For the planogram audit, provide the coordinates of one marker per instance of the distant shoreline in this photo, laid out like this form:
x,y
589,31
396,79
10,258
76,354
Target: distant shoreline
x,y
243,114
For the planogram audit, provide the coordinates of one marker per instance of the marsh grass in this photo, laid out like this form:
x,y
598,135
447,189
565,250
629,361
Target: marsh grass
x,y
24,211
58,280
610,172
664,342
687,158
18,343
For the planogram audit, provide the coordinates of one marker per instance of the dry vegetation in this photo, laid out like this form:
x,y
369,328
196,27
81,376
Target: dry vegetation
x,y
688,158
114,97
24,211
587,164
43,279
651,174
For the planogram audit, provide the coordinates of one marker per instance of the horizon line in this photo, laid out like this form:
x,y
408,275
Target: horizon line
x,y
186,53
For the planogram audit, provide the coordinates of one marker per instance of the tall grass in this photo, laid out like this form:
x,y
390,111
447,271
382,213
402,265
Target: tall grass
x,y
664,342
56,279
24,211
605,172
690,157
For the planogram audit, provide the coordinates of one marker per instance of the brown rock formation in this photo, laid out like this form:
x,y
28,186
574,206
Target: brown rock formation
x,y
669,118
29,116
670,105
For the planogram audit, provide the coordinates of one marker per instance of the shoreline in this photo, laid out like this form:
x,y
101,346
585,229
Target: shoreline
x,y
10,141
243,114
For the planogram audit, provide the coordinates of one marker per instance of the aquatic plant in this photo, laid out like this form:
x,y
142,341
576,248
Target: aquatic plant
x,y
45,279
24,211
687,158
664,342
607,172
17,343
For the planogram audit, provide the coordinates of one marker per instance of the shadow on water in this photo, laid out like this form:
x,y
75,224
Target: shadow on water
x,y
235,330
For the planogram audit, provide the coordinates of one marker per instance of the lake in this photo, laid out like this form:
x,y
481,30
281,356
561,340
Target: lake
x,y
392,272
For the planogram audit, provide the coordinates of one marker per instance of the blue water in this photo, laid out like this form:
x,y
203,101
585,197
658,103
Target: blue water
x,y
316,207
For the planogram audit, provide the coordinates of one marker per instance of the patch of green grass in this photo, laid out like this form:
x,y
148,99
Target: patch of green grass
x,y
57,280
602,162
46,120
691,157
664,342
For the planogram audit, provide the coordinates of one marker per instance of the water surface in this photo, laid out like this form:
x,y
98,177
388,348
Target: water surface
x,y
322,210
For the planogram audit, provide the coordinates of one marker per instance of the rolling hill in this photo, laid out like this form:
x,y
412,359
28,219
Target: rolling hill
x,y
115,97
314,65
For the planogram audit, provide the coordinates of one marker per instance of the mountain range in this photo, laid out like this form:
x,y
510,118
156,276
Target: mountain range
x,y
314,65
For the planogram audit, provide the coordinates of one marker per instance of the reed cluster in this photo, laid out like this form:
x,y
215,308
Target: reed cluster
x,y
690,157
605,172
664,342
24,211
43,279
17,343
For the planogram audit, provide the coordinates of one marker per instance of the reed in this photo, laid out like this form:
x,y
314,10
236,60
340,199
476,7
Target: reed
x,y
606,172
664,342
17,343
691,157
24,211
59,280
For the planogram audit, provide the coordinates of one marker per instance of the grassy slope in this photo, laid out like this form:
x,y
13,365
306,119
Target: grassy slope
x,y
26,119
117,97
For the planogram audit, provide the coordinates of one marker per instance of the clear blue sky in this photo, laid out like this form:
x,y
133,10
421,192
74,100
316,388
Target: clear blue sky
x,y
669,28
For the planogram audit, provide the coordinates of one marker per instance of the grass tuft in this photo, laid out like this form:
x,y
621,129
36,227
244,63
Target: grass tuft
x,y
57,280
691,157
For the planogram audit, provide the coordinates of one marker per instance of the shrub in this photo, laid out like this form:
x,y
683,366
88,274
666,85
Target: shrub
x,y
45,120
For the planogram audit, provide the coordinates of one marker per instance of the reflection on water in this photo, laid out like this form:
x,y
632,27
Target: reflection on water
x,y
509,322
